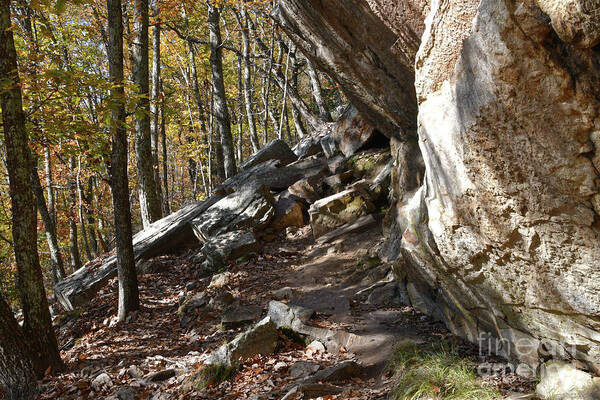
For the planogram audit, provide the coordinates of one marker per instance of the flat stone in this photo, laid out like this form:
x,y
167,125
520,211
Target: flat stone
x,y
276,149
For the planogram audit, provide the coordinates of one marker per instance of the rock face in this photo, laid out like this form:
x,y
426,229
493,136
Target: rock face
x,y
351,132
219,250
503,234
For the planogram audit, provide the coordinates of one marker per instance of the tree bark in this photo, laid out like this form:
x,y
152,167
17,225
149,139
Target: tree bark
x,y
74,253
300,130
317,91
91,220
128,286
17,375
56,262
243,22
222,119
150,205
163,136
37,324
154,125
82,213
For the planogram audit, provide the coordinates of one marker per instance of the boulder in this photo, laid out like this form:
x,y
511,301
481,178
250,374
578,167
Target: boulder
x,y
251,207
260,339
236,316
309,188
219,250
338,181
289,211
191,308
276,149
161,237
102,382
341,208
351,132
273,175
343,371
562,381
308,146
369,164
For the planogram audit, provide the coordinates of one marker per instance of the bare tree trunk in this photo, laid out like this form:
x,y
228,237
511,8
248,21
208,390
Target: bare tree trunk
x,y
165,161
82,212
37,324
220,98
49,189
317,91
154,125
150,205
73,240
128,287
243,22
91,220
56,261
240,113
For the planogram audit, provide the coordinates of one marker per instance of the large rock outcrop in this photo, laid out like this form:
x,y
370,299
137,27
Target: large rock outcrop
x,y
503,235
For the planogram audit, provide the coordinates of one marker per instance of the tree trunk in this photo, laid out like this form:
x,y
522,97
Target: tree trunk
x,y
300,130
128,286
163,136
72,203
150,206
243,22
49,189
38,324
154,125
240,112
222,120
56,261
17,375
91,220
82,213
317,91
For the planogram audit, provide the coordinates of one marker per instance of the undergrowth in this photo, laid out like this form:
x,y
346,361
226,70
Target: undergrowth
x,y
435,372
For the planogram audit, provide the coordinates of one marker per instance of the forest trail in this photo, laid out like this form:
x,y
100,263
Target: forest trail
x,y
151,356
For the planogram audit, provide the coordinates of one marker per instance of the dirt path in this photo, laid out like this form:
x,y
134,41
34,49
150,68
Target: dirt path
x,y
325,278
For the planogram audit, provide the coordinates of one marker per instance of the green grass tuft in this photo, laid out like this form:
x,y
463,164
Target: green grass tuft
x,y
435,372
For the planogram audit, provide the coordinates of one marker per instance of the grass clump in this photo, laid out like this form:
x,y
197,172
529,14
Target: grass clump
x,y
213,375
435,372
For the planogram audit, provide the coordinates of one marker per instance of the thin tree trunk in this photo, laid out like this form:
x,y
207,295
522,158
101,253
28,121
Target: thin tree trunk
x,y
243,21
284,96
215,146
17,375
150,205
49,189
91,220
82,212
37,324
163,131
56,261
300,130
220,99
154,125
240,113
72,203
128,287
317,91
